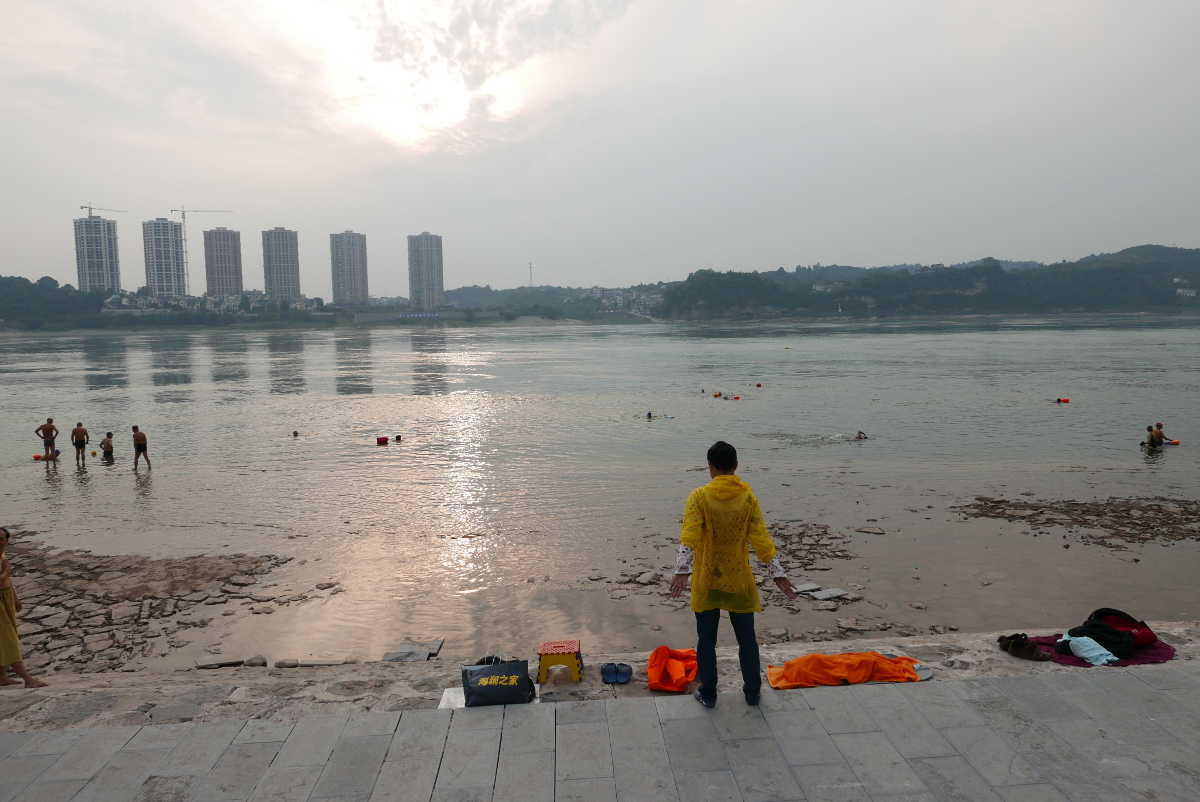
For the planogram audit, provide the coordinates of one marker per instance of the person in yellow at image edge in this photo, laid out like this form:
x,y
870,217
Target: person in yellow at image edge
x,y
721,521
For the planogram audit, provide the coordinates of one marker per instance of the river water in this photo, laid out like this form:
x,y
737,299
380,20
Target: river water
x,y
528,463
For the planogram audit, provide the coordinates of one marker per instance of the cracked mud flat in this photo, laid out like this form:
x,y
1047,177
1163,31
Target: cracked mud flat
x,y
1129,521
284,695
86,613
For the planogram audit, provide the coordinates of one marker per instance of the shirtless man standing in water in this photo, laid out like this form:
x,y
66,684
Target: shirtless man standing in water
x,y
139,448
47,431
79,439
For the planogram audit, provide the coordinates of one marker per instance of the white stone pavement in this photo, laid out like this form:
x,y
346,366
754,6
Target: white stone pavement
x,y
1086,736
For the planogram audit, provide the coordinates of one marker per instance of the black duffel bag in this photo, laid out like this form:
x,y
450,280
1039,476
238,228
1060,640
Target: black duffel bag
x,y
494,680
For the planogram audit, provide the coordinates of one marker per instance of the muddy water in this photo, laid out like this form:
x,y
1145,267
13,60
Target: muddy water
x,y
528,464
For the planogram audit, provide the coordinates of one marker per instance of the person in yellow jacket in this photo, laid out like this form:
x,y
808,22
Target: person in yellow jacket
x,y
721,521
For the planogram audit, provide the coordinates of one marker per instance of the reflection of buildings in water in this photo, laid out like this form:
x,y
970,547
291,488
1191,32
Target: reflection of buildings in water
x,y
171,359
104,361
352,361
285,363
229,352
429,364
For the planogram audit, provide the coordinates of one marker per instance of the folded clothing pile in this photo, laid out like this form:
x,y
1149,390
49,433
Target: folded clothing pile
x,y
1086,649
1127,640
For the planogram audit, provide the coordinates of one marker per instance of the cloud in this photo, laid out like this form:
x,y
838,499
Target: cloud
x,y
414,73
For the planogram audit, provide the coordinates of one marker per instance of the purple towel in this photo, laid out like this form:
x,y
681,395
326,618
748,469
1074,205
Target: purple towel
x,y
1157,652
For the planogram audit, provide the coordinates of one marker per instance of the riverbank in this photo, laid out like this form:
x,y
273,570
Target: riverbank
x,y
90,613
286,695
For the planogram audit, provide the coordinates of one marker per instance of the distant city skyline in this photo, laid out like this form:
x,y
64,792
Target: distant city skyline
x,y
98,260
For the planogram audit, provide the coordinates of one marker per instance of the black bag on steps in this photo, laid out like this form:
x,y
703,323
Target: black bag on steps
x,y
496,681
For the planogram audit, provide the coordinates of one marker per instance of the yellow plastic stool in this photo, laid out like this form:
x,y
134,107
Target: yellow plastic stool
x,y
560,653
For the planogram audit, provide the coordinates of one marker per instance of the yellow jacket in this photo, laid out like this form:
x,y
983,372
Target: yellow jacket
x,y
720,523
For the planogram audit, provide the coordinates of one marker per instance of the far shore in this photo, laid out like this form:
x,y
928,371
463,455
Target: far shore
x,y
531,321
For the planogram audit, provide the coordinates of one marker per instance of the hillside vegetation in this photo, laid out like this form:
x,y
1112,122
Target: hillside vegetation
x,y
1140,279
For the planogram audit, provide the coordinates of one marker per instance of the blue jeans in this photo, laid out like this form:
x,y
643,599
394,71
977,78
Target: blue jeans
x,y
706,653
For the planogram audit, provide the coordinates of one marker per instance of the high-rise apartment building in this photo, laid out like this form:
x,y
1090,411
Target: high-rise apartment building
x,y
348,255
163,242
96,256
281,264
425,271
223,263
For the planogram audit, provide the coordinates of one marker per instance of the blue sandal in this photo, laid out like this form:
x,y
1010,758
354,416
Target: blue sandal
x,y
608,672
624,672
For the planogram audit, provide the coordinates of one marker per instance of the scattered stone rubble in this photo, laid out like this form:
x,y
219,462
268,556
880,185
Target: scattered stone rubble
x,y
802,547
1128,520
89,613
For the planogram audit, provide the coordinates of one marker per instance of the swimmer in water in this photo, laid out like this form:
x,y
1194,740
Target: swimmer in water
x,y
860,436
1160,436
139,448
295,434
48,432
79,439
649,416
397,438
106,447
1150,442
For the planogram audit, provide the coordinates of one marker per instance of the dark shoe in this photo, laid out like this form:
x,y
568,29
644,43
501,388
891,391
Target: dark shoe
x,y
608,672
1021,646
624,672
704,701
752,700
1005,641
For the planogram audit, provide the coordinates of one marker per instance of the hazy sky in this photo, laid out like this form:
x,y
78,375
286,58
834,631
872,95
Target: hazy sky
x,y
606,141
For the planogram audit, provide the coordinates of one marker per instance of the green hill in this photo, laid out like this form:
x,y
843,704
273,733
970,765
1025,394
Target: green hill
x,y
1140,279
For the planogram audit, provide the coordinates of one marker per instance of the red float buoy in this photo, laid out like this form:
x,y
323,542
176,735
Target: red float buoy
x,y
381,441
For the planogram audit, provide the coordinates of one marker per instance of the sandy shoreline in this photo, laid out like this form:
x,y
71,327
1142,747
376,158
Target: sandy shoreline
x,y
88,613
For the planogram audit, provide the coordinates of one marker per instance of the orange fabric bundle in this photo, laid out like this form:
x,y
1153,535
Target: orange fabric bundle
x,y
671,669
816,669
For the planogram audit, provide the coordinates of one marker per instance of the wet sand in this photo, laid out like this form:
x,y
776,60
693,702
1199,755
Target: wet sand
x,y
1004,571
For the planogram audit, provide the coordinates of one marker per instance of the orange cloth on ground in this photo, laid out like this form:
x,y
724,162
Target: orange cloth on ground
x,y
671,669
816,669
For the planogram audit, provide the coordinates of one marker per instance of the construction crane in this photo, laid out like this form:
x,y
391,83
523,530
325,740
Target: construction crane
x,y
183,213
90,207
531,275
